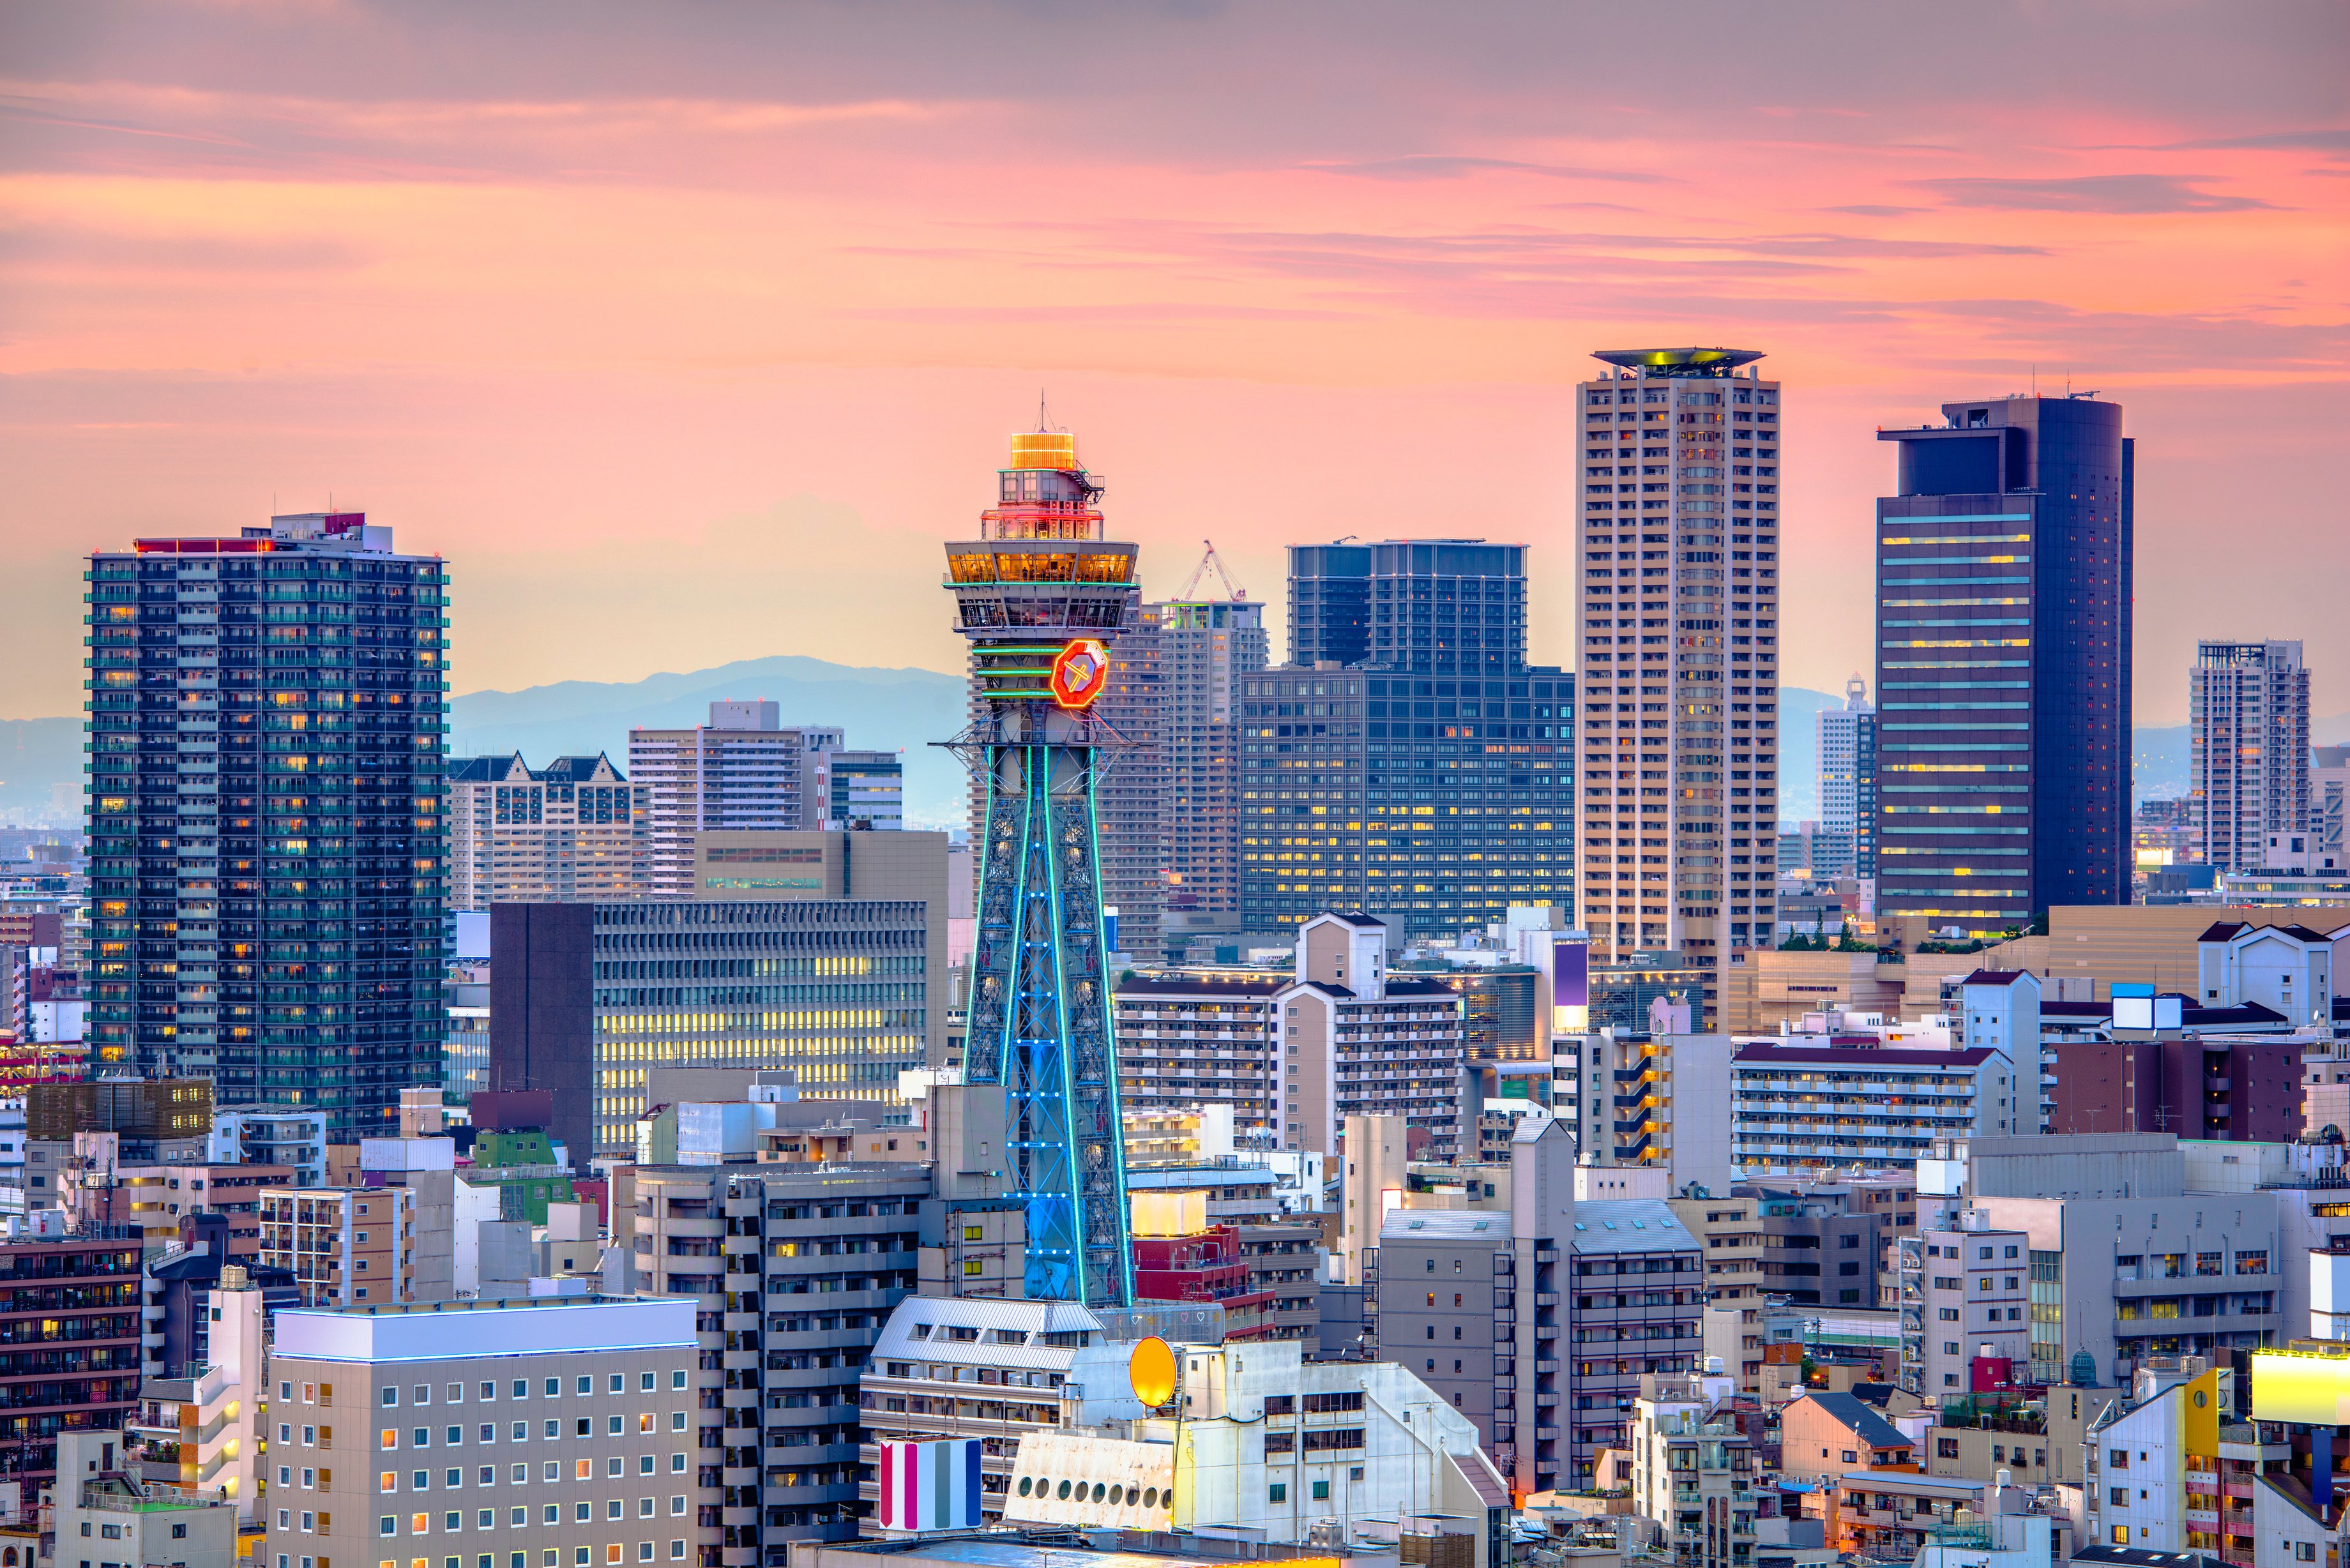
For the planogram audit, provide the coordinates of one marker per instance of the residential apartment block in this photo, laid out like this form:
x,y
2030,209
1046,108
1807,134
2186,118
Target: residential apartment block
x,y
1811,1107
1294,1057
1677,614
268,867
82,1292
741,770
345,1246
571,832
1538,1320
792,1271
1694,1472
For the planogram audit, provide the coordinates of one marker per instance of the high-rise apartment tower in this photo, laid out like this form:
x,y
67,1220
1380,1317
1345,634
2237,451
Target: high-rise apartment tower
x,y
1848,784
268,848
1206,646
2003,666
1039,595
2247,712
1678,615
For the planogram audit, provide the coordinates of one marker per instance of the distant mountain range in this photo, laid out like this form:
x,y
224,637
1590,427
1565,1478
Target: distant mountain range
x,y
881,710
892,710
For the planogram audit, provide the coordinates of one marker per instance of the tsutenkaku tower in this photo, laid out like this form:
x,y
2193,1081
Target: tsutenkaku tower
x,y
1040,595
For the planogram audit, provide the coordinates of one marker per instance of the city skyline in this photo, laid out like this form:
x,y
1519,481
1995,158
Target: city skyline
x,y
249,290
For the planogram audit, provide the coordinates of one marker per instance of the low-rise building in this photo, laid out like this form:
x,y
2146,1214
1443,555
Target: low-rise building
x,y
345,1246
792,1270
100,1510
1889,1515
1272,1449
998,1370
564,1424
1822,1436
1693,1473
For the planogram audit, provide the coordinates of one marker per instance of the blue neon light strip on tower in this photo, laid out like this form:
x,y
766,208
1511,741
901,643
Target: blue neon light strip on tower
x,y
1041,581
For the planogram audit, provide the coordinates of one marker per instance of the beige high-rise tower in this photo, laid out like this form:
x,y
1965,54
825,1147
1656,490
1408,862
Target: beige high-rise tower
x,y
1677,614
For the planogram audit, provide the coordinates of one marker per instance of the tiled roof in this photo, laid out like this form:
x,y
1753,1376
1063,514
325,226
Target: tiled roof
x,y
1858,1419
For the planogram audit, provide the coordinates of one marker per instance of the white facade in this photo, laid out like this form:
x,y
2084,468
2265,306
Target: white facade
x,y
2287,969
1847,743
12,1154
2140,1491
1973,1298
1269,1443
739,771
2000,1008
271,1135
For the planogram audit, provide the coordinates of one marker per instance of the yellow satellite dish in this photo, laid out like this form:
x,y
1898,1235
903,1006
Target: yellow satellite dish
x,y
1151,1370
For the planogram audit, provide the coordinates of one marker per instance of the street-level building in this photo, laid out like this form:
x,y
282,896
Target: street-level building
x,y
791,1271
1291,1452
997,1370
1694,1471
101,1509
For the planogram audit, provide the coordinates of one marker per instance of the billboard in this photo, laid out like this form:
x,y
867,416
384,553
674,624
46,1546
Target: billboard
x,y
1570,984
2310,1388
2138,1007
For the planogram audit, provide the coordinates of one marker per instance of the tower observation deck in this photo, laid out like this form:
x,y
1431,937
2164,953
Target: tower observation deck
x,y
1040,595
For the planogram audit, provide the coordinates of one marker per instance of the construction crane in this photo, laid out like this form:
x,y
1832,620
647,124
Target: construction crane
x,y
1191,583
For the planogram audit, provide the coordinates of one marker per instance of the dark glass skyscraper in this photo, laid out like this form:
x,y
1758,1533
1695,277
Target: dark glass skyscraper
x,y
268,846
1329,604
1427,780
2003,666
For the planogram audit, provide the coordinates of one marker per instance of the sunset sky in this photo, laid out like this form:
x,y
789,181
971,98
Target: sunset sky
x,y
687,332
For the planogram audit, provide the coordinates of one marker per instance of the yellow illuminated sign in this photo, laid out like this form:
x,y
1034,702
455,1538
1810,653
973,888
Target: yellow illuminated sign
x,y
1150,1371
2310,1388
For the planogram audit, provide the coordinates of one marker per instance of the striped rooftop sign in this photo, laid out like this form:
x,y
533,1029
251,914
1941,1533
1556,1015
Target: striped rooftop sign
x,y
930,1486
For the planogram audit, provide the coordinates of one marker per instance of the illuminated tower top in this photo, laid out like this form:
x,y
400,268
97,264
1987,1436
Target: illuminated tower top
x,y
1040,593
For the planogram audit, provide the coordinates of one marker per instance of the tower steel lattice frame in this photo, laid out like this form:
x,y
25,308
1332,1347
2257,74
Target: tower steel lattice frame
x,y
1041,1020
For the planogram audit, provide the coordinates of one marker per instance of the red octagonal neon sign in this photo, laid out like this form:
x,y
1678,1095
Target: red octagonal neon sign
x,y
1080,671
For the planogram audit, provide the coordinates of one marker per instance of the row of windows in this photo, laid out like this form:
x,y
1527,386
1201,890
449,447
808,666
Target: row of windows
x,y
548,1557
